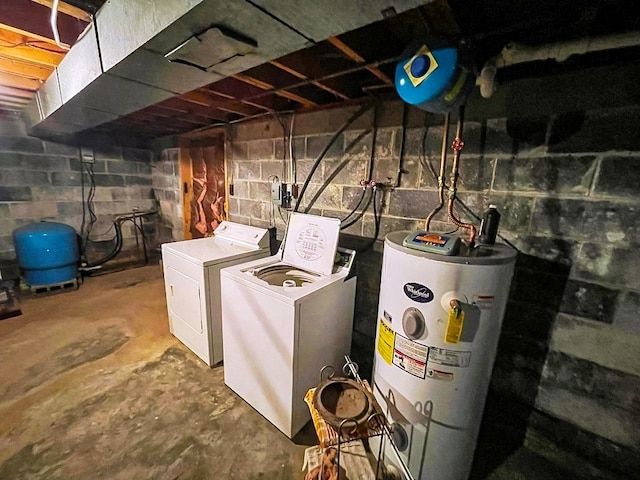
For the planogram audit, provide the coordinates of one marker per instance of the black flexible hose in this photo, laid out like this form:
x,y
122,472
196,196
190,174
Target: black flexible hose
x,y
324,151
336,172
116,249
377,218
354,209
360,215
117,224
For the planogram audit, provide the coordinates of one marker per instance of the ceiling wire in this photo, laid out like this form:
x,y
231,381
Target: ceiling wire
x,y
54,24
30,43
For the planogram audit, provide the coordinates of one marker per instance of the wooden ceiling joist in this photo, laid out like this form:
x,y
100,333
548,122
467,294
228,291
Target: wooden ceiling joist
x,y
21,47
15,92
152,116
231,97
178,105
34,19
16,81
312,82
200,97
67,9
24,69
352,54
13,100
268,87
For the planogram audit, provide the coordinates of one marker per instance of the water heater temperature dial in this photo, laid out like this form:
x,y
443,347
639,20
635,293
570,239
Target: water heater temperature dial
x,y
413,323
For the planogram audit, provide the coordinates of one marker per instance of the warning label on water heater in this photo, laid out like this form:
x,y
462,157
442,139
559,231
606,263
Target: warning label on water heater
x,y
483,302
410,356
450,358
386,339
397,350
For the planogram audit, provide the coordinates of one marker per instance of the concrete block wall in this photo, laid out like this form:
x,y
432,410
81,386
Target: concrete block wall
x,y
41,180
166,187
565,184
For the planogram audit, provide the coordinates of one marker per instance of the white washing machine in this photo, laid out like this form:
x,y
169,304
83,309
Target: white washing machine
x,y
192,283
287,316
439,321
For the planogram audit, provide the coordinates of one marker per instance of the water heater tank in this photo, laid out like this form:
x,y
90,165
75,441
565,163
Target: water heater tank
x,y
47,252
439,320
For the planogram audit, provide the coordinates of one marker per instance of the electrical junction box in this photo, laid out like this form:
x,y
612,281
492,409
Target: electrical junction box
x,y
87,155
275,192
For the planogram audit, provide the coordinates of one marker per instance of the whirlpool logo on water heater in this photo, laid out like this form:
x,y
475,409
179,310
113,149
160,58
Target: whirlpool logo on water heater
x,y
418,293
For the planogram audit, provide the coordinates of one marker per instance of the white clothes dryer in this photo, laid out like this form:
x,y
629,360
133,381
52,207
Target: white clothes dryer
x,y
192,283
287,316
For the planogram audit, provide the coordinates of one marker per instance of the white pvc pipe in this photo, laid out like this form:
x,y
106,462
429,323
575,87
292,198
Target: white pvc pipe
x,y
515,53
54,23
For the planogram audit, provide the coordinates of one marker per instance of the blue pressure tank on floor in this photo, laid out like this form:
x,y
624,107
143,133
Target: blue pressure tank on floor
x,y
47,252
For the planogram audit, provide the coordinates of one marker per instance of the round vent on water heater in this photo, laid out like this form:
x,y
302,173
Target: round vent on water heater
x,y
434,75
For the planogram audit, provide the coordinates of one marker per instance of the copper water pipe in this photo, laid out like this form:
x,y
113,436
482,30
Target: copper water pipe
x,y
457,147
443,166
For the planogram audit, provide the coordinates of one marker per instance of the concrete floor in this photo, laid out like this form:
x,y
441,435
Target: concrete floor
x,y
93,386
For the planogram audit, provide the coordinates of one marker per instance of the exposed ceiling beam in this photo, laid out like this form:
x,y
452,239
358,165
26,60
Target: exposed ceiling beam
x,y
177,105
326,77
24,69
15,92
34,18
16,81
70,10
34,37
13,101
230,97
20,47
200,98
301,76
352,54
281,93
180,120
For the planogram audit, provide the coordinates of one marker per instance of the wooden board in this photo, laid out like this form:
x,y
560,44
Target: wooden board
x,y
204,184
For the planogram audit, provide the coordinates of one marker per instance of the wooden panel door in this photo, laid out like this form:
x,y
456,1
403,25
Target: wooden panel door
x,y
204,186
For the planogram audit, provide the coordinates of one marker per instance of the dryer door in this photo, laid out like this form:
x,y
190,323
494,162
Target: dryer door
x,y
183,301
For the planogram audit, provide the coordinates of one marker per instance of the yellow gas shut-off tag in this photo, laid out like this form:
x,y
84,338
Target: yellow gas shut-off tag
x,y
454,326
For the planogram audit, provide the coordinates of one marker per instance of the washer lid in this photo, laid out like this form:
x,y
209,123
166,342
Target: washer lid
x,y
311,242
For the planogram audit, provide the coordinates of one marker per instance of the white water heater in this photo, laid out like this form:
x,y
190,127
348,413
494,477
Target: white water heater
x,y
439,320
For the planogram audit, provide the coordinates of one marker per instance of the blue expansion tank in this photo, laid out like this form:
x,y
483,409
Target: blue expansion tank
x,y
47,252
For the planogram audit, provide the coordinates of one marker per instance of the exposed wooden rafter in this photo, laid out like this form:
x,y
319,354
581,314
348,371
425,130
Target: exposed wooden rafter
x,y
24,69
22,47
15,92
183,107
33,19
231,97
67,9
313,82
203,98
17,81
268,87
352,54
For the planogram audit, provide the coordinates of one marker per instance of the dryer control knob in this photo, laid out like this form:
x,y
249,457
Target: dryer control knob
x,y
413,323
